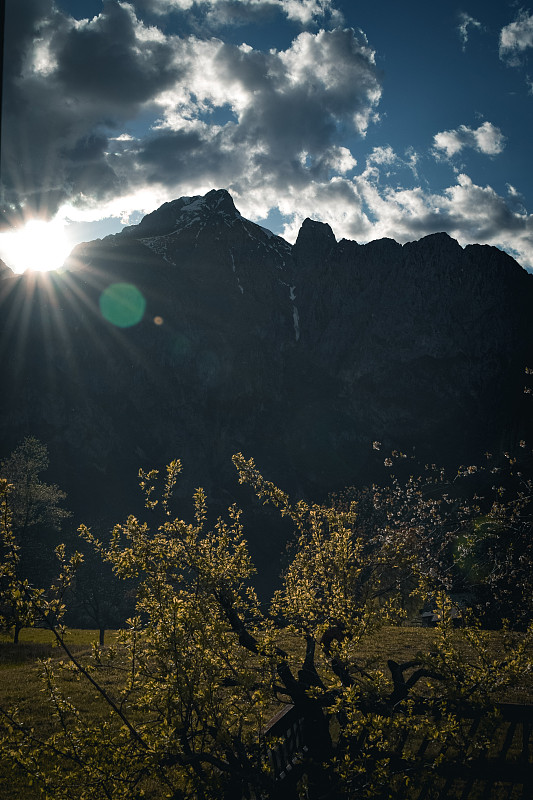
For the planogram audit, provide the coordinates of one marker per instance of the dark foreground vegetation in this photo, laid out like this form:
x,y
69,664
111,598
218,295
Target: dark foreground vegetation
x,y
21,685
178,703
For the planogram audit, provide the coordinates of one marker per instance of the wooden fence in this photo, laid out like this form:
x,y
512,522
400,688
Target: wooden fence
x,y
501,771
285,732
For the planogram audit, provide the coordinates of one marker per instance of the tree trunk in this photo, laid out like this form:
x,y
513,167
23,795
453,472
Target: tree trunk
x,y
18,628
317,737
101,637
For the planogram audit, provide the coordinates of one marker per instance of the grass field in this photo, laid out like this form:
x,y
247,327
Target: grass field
x,y
20,684
21,687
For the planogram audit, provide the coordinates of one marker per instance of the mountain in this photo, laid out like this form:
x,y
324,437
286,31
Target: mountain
x,y
299,355
5,271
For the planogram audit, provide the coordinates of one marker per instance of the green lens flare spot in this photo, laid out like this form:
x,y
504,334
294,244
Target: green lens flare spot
x,y
122,304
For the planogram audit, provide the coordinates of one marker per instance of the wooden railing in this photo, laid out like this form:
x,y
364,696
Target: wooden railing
x,y
503,770
285,742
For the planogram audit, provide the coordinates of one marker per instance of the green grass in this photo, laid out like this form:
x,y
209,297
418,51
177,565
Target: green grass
x,y
36,643
21,687
20,683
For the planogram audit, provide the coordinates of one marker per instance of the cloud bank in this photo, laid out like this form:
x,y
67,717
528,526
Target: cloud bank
x,y
221,114
113,116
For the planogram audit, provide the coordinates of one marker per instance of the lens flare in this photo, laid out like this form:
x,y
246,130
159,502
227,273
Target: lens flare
x,y
122,304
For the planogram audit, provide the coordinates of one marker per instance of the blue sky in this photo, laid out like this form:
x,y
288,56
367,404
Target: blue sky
x,y
382,119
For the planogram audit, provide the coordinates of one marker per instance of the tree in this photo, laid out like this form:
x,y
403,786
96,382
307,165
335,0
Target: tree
x,y
32,501
15,611
98,598
201,667
496,553
469,531
30,504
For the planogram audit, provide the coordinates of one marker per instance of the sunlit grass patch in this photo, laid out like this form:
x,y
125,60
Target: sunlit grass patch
x,y
36,643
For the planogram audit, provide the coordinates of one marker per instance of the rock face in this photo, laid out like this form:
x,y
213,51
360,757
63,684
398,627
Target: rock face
x,y
299,355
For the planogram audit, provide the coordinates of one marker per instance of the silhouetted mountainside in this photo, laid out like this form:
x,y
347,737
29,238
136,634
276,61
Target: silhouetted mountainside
x,y
5,271
299,355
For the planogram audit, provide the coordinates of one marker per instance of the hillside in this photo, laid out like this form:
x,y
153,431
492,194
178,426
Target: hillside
x,y
299,355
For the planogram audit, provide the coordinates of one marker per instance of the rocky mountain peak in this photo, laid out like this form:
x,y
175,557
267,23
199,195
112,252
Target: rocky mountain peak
x,y
436,247
221,202
314,243
441,239
181,213
313,231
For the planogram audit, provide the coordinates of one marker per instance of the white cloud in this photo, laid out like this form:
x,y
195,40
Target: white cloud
x,y
383,162
281,138
467,21
305,11
228,12
382,155
341,160
143,200
468,212
516,37
338,67
487,139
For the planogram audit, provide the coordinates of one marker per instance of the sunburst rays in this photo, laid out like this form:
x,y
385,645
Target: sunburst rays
x,y
51,326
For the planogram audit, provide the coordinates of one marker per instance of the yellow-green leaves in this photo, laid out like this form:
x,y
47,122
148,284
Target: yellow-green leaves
x,y
188,687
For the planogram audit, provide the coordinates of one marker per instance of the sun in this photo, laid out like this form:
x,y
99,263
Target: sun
x,y
38,245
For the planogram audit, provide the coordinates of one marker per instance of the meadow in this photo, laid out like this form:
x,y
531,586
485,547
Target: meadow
x,y
21,683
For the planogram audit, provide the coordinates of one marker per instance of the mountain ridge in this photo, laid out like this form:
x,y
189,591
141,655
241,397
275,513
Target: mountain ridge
x,y
300,355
